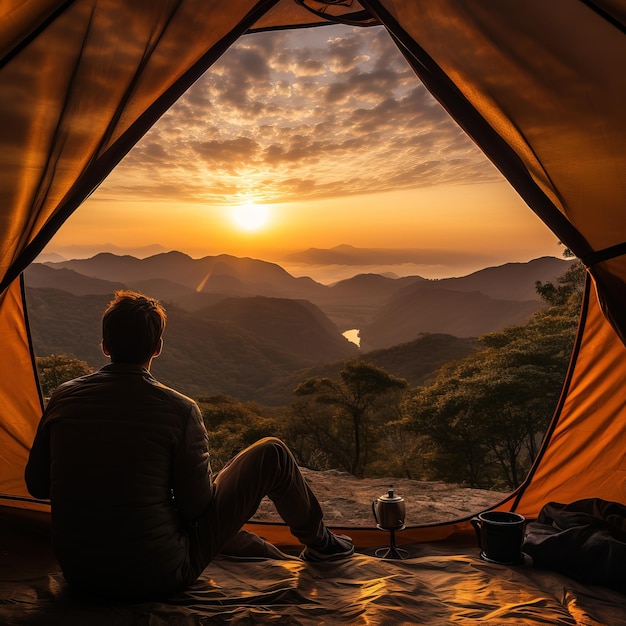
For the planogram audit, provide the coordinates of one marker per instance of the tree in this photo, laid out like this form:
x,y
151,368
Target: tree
x,y
485,414
232,426
343,414
445,412
568,289
400,451
59,368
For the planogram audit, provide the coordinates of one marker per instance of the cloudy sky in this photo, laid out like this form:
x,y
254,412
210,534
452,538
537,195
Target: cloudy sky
x,y
310,138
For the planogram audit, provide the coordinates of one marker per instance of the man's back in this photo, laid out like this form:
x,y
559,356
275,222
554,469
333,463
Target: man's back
x,y
128,465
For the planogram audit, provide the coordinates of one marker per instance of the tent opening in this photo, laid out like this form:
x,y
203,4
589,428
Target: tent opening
x,y
321,151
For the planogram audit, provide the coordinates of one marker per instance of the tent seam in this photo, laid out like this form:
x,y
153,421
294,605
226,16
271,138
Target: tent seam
x,y
35,33
593,6
29,338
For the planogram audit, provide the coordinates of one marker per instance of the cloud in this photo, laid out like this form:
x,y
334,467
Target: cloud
x,y
298,62
226,153
345,54
298,115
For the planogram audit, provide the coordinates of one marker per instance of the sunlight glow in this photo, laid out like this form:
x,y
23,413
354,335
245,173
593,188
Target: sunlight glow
x,y
250,217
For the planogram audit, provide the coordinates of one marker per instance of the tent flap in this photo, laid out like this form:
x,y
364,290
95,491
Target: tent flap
x,y
20,402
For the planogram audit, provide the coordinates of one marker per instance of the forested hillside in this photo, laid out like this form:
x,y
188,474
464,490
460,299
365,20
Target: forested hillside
x,y
434,309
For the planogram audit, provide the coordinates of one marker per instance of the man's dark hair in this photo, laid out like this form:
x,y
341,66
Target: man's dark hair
x,y
132,326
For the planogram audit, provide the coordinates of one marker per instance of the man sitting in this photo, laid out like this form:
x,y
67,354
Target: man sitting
x,y
125,462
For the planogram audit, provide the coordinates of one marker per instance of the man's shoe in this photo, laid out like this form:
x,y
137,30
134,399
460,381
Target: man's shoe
x,y
332,548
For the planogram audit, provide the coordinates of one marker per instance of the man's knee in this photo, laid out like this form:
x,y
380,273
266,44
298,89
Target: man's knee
x,y
272,445
275,449
269,441
261,449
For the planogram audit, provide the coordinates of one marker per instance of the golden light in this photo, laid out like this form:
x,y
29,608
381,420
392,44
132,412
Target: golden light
x,y
250,217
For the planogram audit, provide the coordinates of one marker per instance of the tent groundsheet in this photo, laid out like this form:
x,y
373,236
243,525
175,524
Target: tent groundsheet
x,y
547,113
439,583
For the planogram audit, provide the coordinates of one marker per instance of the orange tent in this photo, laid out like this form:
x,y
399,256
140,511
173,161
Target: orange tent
x,y
538,86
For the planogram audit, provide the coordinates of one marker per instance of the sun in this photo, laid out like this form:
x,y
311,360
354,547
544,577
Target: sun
x,y
250,217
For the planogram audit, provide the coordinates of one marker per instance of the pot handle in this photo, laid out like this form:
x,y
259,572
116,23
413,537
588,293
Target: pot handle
x,y
374,512
477,524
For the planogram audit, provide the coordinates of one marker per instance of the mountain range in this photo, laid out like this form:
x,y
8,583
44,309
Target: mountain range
x,y
345,254
247,328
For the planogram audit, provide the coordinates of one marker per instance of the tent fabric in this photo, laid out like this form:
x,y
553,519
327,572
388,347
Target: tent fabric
x,y
585,455
441,583
82,80
22,405
303,13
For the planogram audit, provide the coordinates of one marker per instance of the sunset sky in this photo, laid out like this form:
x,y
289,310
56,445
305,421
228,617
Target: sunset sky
x,y
310,138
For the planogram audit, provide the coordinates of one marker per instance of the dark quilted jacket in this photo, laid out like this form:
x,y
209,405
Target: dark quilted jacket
x,y
125,463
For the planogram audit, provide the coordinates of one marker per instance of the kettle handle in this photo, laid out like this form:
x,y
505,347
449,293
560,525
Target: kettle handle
x,y
476,523
374,512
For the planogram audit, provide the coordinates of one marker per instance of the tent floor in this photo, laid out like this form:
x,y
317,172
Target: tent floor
x,y
440,583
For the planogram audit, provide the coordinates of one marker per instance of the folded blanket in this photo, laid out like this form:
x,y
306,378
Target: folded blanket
x,y
585,540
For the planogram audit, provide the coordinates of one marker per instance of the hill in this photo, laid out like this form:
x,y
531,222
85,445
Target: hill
x,y
298,326
434,309
63,323
218,357
511,281
224,274
416,361
40,275
211,351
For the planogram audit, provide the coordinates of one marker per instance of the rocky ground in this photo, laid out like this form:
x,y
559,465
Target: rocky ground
x,y
347,501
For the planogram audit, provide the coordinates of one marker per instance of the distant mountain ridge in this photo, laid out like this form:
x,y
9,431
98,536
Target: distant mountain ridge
x,y
40,275
345,254
387,311
511,281
229,274
84,251
222,273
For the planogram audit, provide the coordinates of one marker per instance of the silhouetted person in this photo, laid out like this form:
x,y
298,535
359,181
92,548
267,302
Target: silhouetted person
x,y
125,463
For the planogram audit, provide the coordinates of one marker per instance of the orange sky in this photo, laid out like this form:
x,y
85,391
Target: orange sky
x,y
333,134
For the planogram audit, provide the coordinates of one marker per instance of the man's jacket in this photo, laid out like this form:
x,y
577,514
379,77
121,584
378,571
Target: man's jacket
x,y
125,463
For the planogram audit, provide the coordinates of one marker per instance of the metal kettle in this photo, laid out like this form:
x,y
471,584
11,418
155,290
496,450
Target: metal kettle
x,y
389,510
